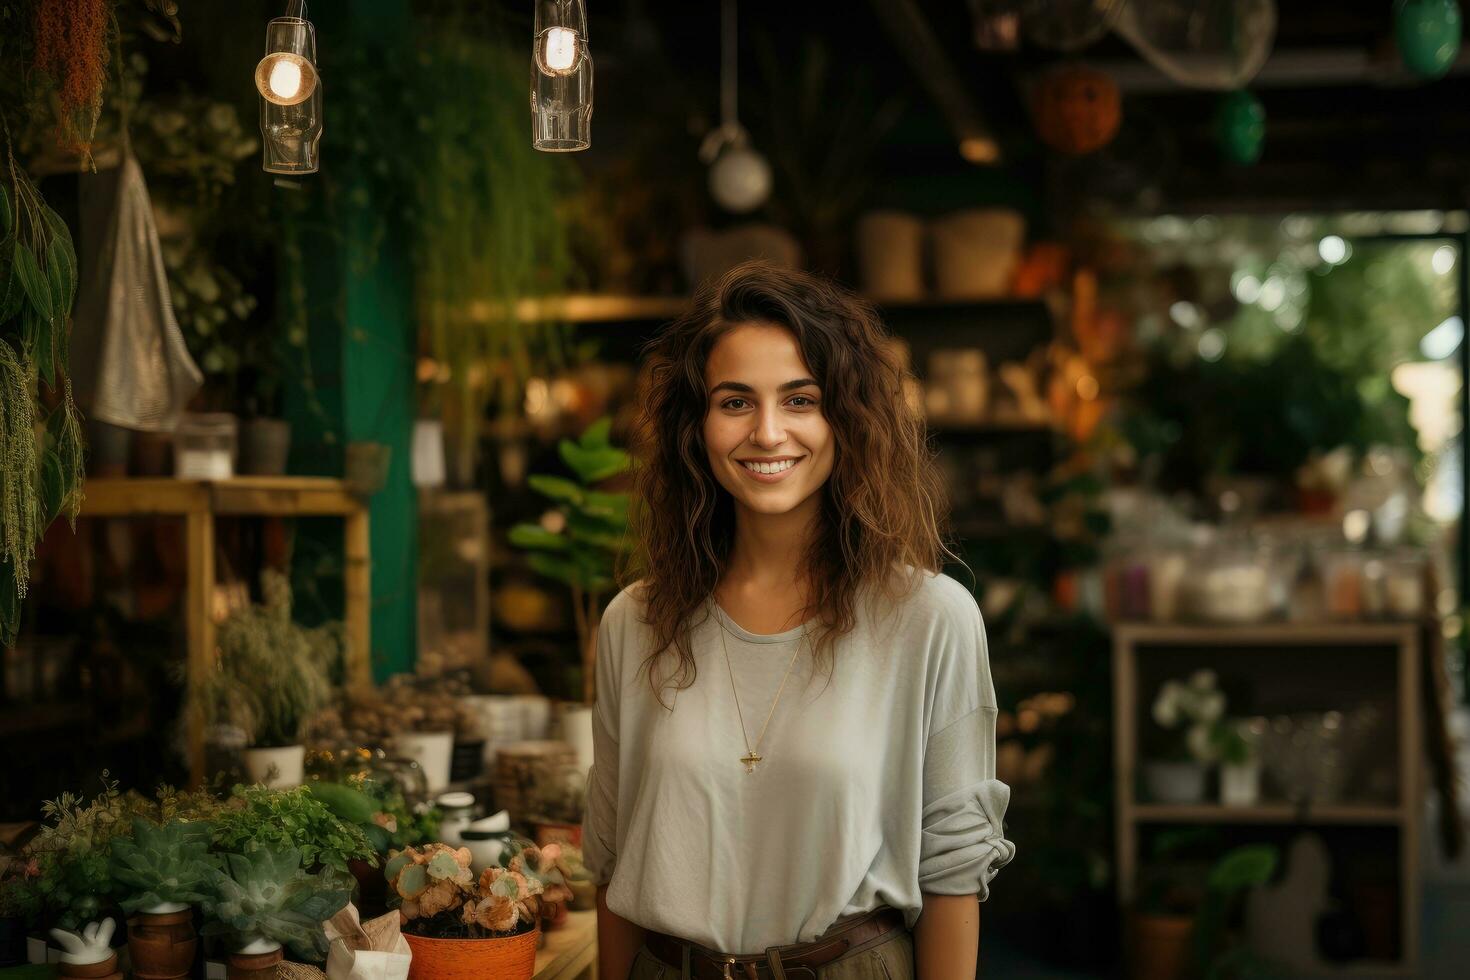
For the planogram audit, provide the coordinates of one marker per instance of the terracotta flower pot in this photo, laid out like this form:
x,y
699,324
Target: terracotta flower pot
x,y
1161,946
162,944
254,966
513,958
558,833
106,970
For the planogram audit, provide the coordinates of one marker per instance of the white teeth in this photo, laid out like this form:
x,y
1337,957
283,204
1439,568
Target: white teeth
x,y
784,464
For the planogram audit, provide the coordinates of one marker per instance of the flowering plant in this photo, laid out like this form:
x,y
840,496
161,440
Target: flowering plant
x,y
438,896
1196,707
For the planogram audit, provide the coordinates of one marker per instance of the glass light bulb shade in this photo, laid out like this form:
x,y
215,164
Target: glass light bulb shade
x,y
568,15
740,180
285,78
561,107
558,50
290,135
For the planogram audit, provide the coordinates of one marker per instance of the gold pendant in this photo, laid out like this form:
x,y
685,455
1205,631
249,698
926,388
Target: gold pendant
x,y
750,761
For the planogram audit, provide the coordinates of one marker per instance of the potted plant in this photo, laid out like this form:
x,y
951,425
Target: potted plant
x,y
273,674
555,805
418,723
257,818
592,535
1240,766
388,822
458,925
265,900
1186,713
1179,927
164,870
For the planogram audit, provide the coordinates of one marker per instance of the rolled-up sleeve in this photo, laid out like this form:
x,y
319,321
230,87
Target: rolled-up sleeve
x,y
963,844
963,841
600,818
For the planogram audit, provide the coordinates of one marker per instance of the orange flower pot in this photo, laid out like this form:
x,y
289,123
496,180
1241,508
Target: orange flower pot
x,y
513,958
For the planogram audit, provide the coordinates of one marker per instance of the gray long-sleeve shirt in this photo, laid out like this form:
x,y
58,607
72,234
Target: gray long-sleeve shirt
x,y
874,790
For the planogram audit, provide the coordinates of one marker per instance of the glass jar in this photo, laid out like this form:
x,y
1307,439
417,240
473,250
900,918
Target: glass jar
x,y
205,446
1342,583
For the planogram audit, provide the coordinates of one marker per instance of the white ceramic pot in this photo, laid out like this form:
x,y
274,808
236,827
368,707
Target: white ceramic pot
x,y
976,252
428,453
890,247
1174,782
1240,785
289,762
432,751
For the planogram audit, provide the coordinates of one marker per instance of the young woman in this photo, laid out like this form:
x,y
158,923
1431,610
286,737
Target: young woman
x,y
744,820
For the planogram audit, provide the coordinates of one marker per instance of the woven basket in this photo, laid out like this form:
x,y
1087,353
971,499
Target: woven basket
x,y
474,959
517,765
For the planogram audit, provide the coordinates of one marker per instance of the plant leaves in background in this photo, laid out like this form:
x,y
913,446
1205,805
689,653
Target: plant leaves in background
x,y
593,465
61,268
37,289
555,487
537,537
7,217
596,435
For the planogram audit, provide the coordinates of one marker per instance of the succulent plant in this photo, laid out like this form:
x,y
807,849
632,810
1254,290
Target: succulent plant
x,y
163,864
503,899
429,880
266,894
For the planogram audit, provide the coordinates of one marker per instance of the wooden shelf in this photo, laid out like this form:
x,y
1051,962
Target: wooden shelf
x,y
1268,813
200,502
1305,635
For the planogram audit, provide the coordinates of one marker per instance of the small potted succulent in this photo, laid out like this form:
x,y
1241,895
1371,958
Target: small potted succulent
x,y
555,804
1186,713
164,870
1240,763
263,901
460,925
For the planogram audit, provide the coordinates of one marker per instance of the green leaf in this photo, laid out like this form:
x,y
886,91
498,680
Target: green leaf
x,y
7,217
413,882
556,487
37,289
613,506
595,531
593,465
1243,868
43,346
596,435
535,536
11,293
61,272
556,567
443,866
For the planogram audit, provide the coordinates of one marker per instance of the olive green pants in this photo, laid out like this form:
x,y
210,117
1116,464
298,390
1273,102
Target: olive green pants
x,y
888,958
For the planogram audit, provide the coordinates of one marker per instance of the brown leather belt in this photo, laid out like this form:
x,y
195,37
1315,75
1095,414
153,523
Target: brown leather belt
x,y
799,961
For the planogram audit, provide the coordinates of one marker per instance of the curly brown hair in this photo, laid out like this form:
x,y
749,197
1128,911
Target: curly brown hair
x,y
884,514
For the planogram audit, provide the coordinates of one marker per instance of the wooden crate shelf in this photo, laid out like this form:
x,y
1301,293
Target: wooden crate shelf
x,y
199,503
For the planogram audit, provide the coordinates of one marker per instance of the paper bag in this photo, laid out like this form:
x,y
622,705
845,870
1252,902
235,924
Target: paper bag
x,y
374,950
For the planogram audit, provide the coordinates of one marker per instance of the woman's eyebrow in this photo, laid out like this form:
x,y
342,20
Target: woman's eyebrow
x,y
744,388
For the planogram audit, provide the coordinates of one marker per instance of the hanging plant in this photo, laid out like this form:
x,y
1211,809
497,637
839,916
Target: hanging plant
x,y
40,476
71,48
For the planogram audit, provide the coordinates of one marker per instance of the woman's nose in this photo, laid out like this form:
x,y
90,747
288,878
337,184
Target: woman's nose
x,y
769,430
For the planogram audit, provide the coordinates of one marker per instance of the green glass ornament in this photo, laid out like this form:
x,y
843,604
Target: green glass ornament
x,y
1240,127
1428,34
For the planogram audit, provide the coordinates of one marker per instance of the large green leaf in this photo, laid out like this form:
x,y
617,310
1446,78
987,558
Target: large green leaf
x,y
613,506
537,537
556,487
595,531
593,465
562,569
12,295
1244,867
596,435
61,273
37,289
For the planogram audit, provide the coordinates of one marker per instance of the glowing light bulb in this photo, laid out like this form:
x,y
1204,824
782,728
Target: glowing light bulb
x,y
285,79
559,49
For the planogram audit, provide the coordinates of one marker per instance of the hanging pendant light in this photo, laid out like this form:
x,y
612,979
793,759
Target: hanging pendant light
x,y
290,94
739,177
561,78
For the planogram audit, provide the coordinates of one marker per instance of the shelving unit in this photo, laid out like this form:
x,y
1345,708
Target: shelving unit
x,y
199,503
1398,644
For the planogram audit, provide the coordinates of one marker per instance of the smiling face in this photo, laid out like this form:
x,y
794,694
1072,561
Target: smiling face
x,y
768,442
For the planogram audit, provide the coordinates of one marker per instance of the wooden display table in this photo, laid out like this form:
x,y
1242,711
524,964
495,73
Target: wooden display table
x,y
570,952
199,502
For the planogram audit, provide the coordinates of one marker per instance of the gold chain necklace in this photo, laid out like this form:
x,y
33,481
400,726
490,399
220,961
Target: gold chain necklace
x,y
750,758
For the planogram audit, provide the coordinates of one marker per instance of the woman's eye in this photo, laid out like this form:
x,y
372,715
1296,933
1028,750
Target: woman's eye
x,y
730,403
803,398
